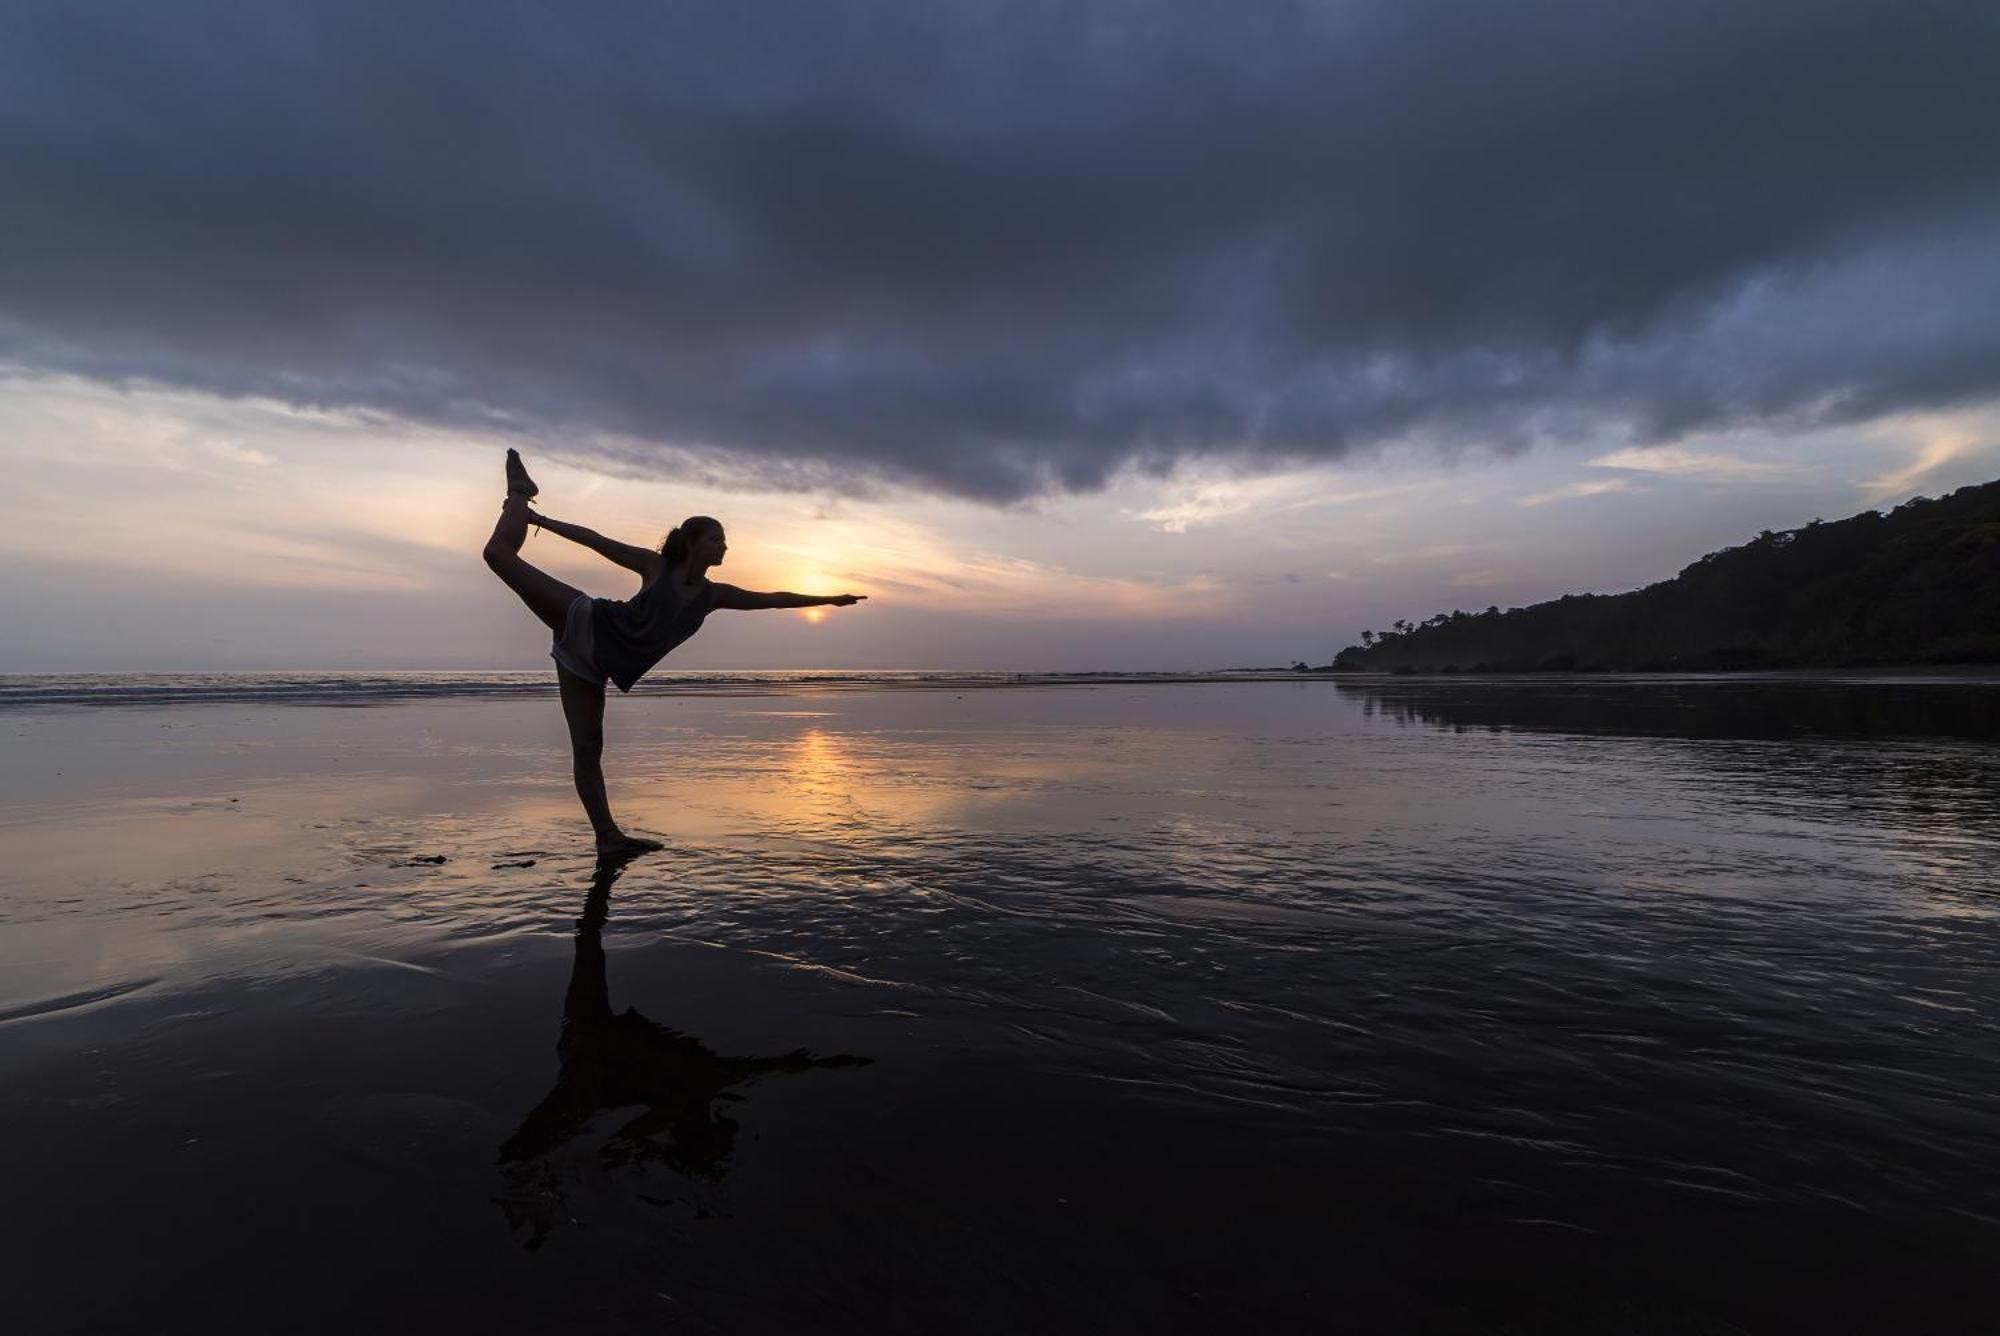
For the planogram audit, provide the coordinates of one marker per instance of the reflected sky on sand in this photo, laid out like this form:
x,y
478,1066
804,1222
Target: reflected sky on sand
x,y
1392,1004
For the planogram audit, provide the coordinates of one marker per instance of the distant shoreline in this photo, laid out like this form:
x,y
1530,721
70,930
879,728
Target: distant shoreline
x,y
24,691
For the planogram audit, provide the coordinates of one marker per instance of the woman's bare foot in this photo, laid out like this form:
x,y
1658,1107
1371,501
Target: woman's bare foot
x,y
618,844
518,481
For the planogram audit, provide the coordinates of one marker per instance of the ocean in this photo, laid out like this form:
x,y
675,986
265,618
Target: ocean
x,y
1004,1003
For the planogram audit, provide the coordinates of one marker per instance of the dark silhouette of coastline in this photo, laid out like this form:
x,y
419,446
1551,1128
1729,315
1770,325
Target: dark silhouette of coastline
x,y
614,1060
1918,585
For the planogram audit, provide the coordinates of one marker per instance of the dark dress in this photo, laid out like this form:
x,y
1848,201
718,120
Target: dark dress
x,y
627,638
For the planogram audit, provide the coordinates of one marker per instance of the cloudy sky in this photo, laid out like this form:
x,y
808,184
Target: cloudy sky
x,y
1076,335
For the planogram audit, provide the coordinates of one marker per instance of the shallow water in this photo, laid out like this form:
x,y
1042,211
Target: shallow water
x,y
1392,1004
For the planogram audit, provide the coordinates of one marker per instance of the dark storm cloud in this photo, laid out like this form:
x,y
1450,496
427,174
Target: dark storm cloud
x,y
994,249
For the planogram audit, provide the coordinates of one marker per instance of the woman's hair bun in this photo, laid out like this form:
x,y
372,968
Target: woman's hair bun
x,y
675,547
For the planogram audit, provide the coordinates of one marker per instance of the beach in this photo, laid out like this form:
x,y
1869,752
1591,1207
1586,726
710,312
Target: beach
x,y
1006,1004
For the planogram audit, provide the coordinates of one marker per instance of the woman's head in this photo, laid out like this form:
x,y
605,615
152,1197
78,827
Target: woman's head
x,y
698,539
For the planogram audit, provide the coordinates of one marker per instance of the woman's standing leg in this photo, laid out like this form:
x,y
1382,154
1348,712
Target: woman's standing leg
x,y
583,707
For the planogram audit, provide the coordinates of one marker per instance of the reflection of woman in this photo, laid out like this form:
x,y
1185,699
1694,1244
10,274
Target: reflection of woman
x,y
613,1060
600,639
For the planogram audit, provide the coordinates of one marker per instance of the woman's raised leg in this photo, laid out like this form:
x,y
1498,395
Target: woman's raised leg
x,y
547,597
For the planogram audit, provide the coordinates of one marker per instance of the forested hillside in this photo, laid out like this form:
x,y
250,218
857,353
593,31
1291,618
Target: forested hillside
x,y
1920,584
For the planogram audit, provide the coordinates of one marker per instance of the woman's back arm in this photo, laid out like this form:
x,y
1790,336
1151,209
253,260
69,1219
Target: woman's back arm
x,y
640,559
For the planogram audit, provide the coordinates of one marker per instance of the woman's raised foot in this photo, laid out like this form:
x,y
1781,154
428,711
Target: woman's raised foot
x,y
518,481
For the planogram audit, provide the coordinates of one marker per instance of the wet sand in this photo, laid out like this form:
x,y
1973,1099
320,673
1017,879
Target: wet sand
x,y
1289,1006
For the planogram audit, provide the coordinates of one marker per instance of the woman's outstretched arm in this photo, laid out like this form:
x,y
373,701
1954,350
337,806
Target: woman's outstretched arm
x,y
749,600
640,559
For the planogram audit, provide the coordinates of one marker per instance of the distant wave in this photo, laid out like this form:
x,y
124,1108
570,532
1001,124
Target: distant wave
x,y
22,691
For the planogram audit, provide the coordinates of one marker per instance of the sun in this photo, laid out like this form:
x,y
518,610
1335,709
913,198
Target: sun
x,y
811,579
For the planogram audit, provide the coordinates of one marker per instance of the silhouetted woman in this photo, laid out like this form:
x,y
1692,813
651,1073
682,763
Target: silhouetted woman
x,y
600,639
